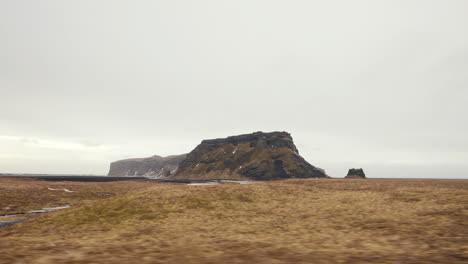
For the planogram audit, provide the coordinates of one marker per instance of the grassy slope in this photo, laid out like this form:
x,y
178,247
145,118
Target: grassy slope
x,y
294,221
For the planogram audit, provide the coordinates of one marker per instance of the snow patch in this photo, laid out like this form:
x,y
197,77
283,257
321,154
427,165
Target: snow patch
x,y
65,190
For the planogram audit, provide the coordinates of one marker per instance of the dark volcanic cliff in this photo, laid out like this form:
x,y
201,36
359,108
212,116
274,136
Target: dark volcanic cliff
x,y
356,174
257,156
155,167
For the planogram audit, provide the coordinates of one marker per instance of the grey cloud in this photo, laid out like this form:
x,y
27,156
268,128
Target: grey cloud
x,y
351,80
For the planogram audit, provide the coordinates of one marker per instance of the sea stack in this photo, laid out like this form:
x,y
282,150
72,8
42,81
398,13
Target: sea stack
x,y
256,156
356,174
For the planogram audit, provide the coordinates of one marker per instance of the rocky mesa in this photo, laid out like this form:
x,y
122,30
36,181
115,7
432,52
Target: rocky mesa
x,y
256,156
355,174
153,167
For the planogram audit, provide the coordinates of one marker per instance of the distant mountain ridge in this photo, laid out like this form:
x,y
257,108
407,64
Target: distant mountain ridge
x,y
153,167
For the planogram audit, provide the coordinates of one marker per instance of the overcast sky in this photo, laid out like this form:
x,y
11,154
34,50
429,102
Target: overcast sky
x,y
381,85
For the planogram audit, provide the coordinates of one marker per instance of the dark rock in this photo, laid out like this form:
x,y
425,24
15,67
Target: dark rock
x,y
256,156
154,167
356,174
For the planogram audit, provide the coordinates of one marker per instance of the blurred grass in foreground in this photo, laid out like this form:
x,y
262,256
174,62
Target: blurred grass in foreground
x,y
293,221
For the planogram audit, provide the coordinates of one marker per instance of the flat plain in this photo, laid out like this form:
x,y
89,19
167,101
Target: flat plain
x,y
290,221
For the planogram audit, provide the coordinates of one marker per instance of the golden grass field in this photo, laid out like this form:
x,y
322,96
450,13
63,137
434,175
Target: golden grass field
x,y
292,221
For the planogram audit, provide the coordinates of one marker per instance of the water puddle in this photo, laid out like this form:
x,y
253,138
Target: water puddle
x,y
221,182
46,210
40,211
10,215
11,222
203,183
239,182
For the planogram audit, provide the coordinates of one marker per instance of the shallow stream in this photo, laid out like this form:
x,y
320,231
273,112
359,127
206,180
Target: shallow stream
x,y
16,221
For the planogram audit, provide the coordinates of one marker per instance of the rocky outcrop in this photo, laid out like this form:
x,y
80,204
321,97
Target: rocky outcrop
x,y
356,174
257,156
154,167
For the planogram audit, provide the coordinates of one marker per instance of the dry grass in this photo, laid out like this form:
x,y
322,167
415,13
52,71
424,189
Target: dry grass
x,y
294,221
22,195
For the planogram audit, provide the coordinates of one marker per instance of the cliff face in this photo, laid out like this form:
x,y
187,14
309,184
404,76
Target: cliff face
x,y
154,167
257,156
